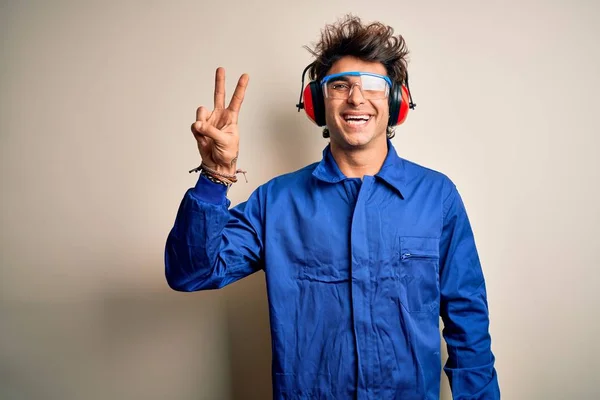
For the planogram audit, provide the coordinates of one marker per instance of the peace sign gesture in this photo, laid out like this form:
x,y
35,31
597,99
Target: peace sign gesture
x,y
217,132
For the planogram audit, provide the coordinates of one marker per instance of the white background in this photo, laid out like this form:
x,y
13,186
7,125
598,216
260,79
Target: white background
x,y
96,101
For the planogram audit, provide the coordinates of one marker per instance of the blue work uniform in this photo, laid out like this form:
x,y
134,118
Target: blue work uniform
x,y
358,272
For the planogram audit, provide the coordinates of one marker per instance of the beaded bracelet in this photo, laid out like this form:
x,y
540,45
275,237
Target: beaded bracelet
x,y
217,177
215,180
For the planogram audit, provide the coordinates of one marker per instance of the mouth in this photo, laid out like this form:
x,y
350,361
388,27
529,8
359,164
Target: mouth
x,y
357,120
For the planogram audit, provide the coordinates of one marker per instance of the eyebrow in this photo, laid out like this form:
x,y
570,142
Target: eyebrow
x,y
343,78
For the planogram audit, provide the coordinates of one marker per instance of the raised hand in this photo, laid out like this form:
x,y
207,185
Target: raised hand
x,y
217,132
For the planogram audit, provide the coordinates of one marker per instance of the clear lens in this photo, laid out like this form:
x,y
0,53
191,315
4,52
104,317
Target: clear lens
x,y
340,86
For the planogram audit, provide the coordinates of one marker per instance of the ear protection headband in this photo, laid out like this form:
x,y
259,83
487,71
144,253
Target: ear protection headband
x,y
400,101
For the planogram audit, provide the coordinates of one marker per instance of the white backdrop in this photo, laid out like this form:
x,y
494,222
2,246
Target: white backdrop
x,y
96,100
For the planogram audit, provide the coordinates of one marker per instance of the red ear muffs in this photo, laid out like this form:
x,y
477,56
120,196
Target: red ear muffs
x,y
400,101
399,105
314,104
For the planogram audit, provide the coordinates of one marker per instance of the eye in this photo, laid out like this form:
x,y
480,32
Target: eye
x,y
339,86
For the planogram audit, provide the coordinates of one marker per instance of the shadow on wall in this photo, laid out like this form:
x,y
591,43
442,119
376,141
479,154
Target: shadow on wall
x,y
164,345
51,350
248,338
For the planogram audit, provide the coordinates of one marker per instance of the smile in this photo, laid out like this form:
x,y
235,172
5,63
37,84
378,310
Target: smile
x,y
356,119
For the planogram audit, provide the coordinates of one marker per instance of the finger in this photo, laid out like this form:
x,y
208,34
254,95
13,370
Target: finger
x,y
200,128
220,88
203,140
202,114
238,94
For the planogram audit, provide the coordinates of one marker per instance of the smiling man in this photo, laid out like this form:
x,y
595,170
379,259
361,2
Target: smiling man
x,y
356,109
362,251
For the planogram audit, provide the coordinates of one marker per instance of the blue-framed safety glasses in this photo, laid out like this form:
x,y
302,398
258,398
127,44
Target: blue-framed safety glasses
x,y
340,86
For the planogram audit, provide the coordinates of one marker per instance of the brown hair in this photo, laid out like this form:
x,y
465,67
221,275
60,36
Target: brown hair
x,y
374,42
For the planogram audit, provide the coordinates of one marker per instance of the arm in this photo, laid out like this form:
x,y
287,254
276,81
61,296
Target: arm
x,y
464,309
210,246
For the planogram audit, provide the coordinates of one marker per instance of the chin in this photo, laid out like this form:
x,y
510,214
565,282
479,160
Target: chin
x,y
355,139
358,141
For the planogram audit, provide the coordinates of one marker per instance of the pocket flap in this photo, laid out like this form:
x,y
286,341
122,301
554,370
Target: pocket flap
x,y
413,246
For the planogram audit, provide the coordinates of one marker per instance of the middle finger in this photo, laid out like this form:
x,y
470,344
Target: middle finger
x,y
220,88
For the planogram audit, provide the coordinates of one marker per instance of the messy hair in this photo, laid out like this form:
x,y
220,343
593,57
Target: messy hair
x,y
374,42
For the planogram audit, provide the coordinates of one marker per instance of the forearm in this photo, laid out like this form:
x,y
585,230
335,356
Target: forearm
x,y
211,246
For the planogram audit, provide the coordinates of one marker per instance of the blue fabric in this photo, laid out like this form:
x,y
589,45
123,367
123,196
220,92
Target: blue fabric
x,y
210,192
357,272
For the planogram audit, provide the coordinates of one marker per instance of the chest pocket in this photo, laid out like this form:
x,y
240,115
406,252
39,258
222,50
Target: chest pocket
x,y
419,273
324,258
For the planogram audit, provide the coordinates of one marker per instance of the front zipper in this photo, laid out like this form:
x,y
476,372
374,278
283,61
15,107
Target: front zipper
x,y
411,256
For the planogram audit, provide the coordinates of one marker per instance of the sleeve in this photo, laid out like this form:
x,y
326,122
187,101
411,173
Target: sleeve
x,y
464,309
209,245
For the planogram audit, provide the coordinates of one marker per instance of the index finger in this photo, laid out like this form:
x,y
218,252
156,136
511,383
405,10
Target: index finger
x,y
220,88
238,94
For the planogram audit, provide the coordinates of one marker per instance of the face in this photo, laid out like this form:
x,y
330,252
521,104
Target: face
x,y
369,132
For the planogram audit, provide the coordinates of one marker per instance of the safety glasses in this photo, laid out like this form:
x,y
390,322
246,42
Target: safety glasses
x,y
340,86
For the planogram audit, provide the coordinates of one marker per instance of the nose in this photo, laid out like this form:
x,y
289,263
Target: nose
x,y
355,97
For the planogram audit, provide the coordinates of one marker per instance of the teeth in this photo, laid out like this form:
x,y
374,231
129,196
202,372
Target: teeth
x,y
356,121
356,117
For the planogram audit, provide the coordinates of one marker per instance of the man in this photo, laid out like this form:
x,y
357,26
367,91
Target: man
x,y
362,252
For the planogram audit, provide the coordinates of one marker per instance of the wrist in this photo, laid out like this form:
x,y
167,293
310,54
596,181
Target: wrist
x,y
224,169
220,168
224,175
216,179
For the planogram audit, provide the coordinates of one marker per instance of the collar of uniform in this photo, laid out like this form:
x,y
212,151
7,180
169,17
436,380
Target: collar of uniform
x,y
327,170
392,171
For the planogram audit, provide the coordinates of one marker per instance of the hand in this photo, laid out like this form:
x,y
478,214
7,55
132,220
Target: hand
x,y
217,132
